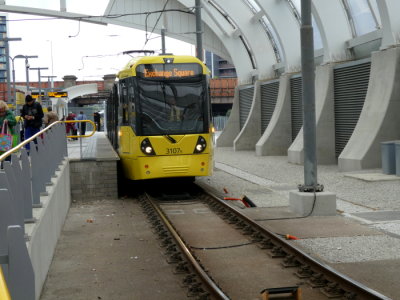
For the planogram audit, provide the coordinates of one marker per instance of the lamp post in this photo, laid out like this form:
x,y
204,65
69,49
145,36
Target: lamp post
x,y
13,76
52,63
13,79
199,31
40,83
309,119
7,55
27,70
49,84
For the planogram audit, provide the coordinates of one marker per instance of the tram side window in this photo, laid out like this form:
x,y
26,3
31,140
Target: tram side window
x,y
125,105
120,104
132,108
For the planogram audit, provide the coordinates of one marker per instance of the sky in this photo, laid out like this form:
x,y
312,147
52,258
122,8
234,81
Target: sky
x,y
86,50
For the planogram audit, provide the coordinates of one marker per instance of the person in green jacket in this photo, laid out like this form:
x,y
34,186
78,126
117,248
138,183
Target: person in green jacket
x,y
8,119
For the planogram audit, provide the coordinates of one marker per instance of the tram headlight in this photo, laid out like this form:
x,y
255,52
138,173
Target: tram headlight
x,y
146,147
201,145
148,150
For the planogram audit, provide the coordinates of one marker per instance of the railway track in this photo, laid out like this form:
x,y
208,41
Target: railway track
x,y
225,255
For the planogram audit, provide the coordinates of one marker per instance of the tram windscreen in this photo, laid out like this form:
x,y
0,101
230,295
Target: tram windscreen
x,y
172,107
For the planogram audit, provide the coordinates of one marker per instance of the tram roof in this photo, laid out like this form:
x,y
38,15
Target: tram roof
x,y
130,68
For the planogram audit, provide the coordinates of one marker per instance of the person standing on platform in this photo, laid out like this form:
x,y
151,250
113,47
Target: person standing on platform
x,y
81,125
50,116
71,126
7,118
96,117
32,113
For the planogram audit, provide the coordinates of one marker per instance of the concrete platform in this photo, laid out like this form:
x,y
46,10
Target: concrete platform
x,y
96,147
373,176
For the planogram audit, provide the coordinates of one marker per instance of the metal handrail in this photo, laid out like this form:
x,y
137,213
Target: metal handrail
x,y
81,121
22,144
4,292
81,136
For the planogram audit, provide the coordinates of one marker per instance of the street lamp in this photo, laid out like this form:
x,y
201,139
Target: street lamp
x,y
13,74
49,85
7,55
27,70
40,83
13,78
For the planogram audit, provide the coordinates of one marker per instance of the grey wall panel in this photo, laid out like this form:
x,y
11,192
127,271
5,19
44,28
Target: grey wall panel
x,y
269,95
350,88
245,101
296,105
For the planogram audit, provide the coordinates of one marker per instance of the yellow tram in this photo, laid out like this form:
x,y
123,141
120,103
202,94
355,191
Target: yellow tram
x,y
159,118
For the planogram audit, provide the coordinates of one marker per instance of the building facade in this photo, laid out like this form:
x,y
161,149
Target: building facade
x,y
3,34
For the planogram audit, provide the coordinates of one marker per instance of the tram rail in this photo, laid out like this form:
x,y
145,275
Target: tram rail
x,y
316,278
214,290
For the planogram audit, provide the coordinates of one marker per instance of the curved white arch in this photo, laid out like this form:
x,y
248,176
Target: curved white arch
x,y
178,25
229,37
334,28
80,90
257,40
389,10
287,29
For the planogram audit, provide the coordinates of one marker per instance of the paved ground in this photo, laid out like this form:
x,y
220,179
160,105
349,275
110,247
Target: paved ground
x,y
107,251
98,259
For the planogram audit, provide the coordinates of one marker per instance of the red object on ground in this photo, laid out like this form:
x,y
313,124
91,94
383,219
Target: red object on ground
x,y
291,237
237,199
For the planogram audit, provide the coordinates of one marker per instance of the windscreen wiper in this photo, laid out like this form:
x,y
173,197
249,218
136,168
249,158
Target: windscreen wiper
x,y
170,138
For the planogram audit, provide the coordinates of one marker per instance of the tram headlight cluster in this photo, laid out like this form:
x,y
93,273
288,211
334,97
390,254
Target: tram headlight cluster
x,y
200,145
146,147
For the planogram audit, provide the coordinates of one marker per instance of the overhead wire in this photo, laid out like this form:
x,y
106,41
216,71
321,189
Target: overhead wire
x,y
96,56
110,16
154,27
79,30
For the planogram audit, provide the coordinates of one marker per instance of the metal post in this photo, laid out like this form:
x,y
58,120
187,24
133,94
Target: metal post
x,y
27,66
63,5
199,31
27,74
163,40
7,55
40,87
309,119
40,83
7,50
13,79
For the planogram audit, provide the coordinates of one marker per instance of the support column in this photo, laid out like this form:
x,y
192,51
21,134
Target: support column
x,y
310,199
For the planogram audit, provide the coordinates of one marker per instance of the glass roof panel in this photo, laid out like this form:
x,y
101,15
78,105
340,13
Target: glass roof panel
x,y
317,34
361,14
253,5
269,29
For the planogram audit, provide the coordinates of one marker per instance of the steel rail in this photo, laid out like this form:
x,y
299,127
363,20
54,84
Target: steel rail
x,y
346,283
216,291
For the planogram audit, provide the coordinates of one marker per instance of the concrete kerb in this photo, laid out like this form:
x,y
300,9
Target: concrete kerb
x,y
312,204
44,233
